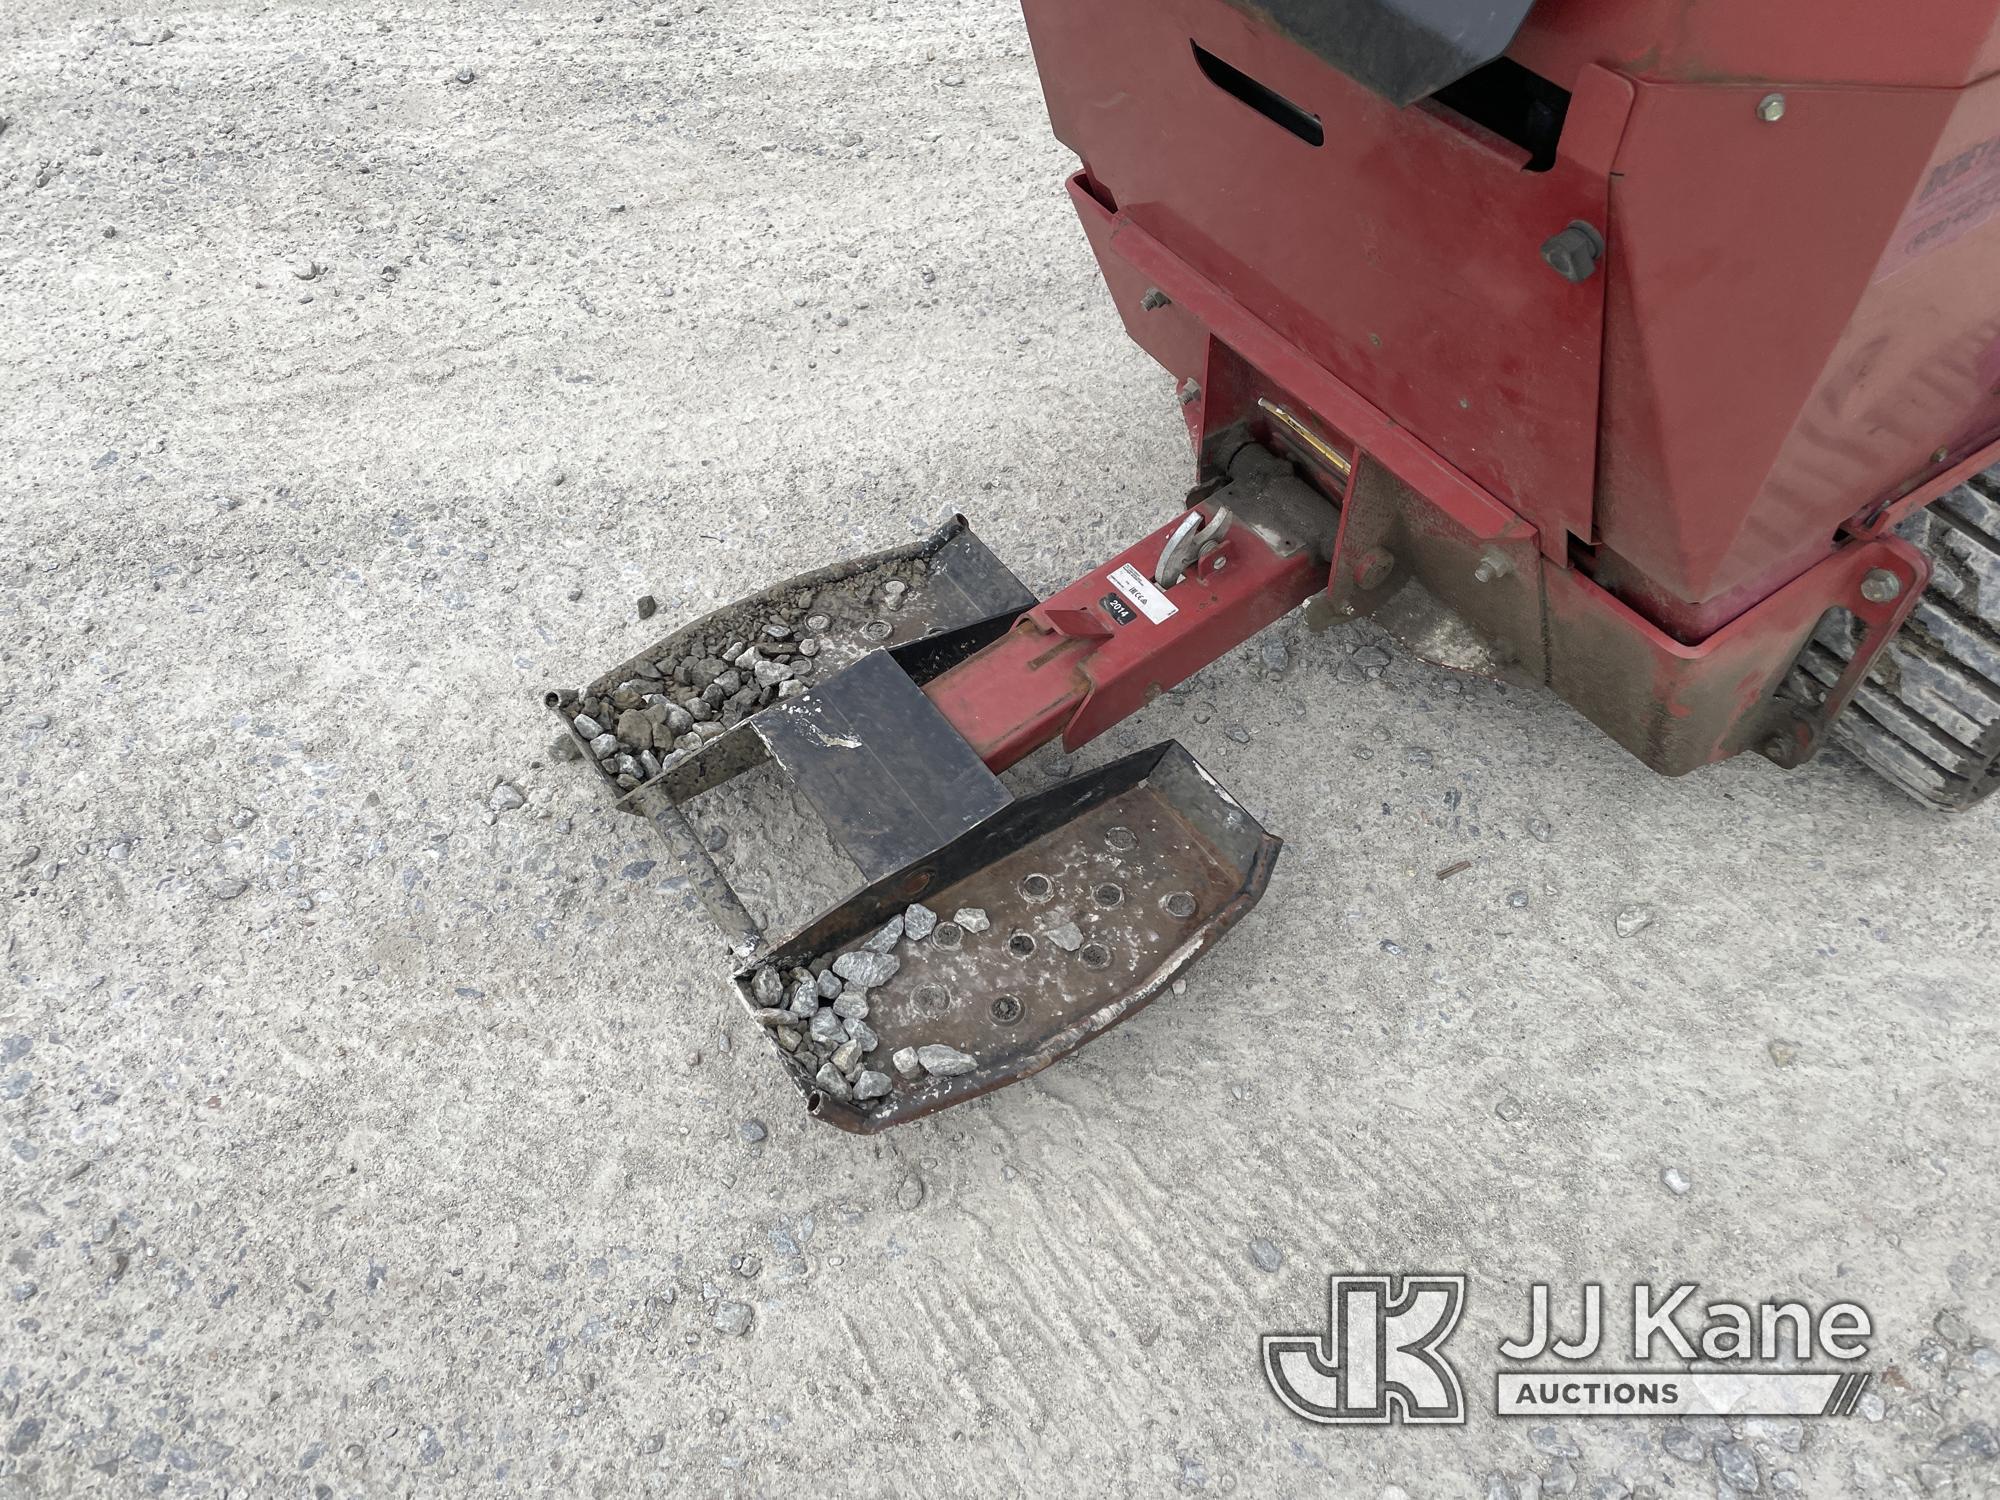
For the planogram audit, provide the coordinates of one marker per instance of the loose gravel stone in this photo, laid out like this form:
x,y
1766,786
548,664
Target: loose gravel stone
x,y
918,922
847,1057
634,728
1682,1443
733,1318
826,1029
885,939
862,1032
1546,1440
945,1062
828,984
866,971
588,727
851,1007
871,1085
904,1060
1266,1256
1738,1467
805,1000
506,797
1068,937
768,986
972,918
1677,1181
830,1083
771,1015
1237,733
604,746
1275,655
751,1131
1633,919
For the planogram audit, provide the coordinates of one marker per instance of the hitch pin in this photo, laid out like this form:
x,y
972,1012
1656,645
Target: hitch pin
x,y
1331,457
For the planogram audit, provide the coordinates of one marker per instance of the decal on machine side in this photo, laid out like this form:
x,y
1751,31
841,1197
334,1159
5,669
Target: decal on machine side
x,y
1143,594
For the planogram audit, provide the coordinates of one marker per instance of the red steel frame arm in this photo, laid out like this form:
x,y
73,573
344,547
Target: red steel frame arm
x,y
1105,647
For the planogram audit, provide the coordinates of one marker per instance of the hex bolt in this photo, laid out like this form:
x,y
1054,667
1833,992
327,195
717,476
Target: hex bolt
x,y
1880,586
1940,455
1374,568
1189,392
1771,108
1573,253
1778,748
1155,299
1492,568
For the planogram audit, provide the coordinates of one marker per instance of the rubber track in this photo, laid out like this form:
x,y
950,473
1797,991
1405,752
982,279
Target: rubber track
x,y
1928,715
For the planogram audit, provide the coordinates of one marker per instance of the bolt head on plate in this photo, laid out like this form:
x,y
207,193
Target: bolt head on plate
x,y
1880,586
1373,568
1771,108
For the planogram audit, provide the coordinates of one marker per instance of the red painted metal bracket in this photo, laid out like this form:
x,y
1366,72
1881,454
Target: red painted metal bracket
x,y
1677,706
1106,646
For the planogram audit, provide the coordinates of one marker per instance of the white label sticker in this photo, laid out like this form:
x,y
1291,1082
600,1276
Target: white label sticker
x,y
1147,599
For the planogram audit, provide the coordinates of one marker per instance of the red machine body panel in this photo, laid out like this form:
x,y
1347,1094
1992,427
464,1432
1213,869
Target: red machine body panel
x,y
1795,323
1782,354
1938,44
1401,253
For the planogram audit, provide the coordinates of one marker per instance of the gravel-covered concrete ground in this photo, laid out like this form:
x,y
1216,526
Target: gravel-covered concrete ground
x,y
363,365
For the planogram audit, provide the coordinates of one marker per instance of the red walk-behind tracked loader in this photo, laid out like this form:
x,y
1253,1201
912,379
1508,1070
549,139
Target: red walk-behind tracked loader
x,y
1648,349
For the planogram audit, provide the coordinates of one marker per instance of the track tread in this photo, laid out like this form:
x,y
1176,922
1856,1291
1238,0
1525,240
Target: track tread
x,y
1927,718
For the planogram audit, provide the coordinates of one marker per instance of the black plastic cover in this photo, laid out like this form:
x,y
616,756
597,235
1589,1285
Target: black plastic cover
x,y
1404,50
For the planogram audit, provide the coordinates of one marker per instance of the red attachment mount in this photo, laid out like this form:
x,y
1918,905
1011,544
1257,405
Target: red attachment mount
x,y
1108,644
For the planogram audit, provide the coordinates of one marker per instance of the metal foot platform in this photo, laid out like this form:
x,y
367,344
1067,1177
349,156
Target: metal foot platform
x,y
991,934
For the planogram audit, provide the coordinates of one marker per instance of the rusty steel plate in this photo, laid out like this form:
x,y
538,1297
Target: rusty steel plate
x,y
1149,862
